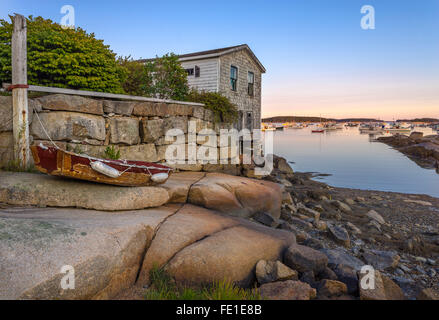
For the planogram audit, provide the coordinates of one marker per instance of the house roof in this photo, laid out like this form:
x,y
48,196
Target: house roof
x,y
216,53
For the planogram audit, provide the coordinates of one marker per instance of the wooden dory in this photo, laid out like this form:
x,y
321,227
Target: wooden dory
x,y
57,162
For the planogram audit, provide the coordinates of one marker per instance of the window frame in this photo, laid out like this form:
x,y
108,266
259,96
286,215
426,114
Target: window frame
x,y
251,84
190,72
234,81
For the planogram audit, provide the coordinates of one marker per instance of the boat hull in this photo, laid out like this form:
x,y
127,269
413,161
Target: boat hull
x,y
372,132
398,130
60,163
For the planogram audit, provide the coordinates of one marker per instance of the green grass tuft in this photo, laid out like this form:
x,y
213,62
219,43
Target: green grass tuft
x,y
111,153
226,290
163,287
15,166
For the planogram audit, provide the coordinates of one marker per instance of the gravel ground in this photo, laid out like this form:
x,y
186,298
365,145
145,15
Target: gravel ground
x,y
411,228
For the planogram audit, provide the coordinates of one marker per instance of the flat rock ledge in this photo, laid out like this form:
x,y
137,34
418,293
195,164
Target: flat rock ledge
x,y
237,196
32,189
105,250
194,226
114,251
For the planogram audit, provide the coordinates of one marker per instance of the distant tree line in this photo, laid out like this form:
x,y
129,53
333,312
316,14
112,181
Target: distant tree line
x,y
296,119
314,119
430,120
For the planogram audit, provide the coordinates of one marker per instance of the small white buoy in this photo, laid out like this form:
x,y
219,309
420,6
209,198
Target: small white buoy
x,y
159,177
43,146
105,169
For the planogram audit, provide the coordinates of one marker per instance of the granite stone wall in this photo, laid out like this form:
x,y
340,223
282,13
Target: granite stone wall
x,y
137,129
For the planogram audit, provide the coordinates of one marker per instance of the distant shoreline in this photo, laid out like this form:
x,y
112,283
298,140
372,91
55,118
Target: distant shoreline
x,y
318,119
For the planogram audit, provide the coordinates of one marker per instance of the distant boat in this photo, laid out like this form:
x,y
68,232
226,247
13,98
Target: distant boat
x,y
267,128
399,128
330,127
295,126
278,126
319,130
371,129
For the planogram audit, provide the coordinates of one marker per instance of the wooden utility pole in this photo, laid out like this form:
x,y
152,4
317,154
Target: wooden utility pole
x,y
19,92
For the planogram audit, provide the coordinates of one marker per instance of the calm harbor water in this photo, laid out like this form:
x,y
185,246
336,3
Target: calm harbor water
x,y
354,161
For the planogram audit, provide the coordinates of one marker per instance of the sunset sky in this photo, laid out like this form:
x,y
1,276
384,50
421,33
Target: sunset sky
x,y
318,58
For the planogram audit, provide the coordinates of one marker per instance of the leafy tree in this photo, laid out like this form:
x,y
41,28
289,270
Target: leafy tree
x,y
222,107
59,57
165,78
134,76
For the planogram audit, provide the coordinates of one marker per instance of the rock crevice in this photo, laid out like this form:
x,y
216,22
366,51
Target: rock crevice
x,y
183,233
147,245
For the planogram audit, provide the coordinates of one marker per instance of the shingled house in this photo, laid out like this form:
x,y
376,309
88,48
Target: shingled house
x,y
233,71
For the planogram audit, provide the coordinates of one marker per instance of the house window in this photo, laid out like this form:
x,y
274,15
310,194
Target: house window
x,y
233,77
251,83
249,121
197,71
190,72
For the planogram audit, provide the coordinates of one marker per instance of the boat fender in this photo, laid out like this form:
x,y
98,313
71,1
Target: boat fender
x,y
43,146
105,169
159,177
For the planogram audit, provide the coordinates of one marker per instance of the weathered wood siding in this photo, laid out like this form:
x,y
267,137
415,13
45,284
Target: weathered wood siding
x,y
208,79
250,106
215,76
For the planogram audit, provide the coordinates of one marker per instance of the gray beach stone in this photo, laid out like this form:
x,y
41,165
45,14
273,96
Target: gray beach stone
x,y
340,256
381,260
339,234
372,214
270,271
302,258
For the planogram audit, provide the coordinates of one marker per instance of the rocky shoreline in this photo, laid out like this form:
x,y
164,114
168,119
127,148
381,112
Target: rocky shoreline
x,y
422,150
338,231
287,235
398,234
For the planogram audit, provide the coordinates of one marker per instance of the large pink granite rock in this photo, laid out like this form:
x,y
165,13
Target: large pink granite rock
x,y
237,196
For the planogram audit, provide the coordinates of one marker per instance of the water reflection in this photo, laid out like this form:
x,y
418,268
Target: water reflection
x,y
354,160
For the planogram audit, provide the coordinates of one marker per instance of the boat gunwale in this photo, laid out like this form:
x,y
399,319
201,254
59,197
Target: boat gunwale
x,y
122,163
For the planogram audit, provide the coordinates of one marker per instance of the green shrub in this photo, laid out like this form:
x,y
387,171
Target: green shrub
x,y
162,77
111,153
134,76
163,287
224,110
165,78
65,58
